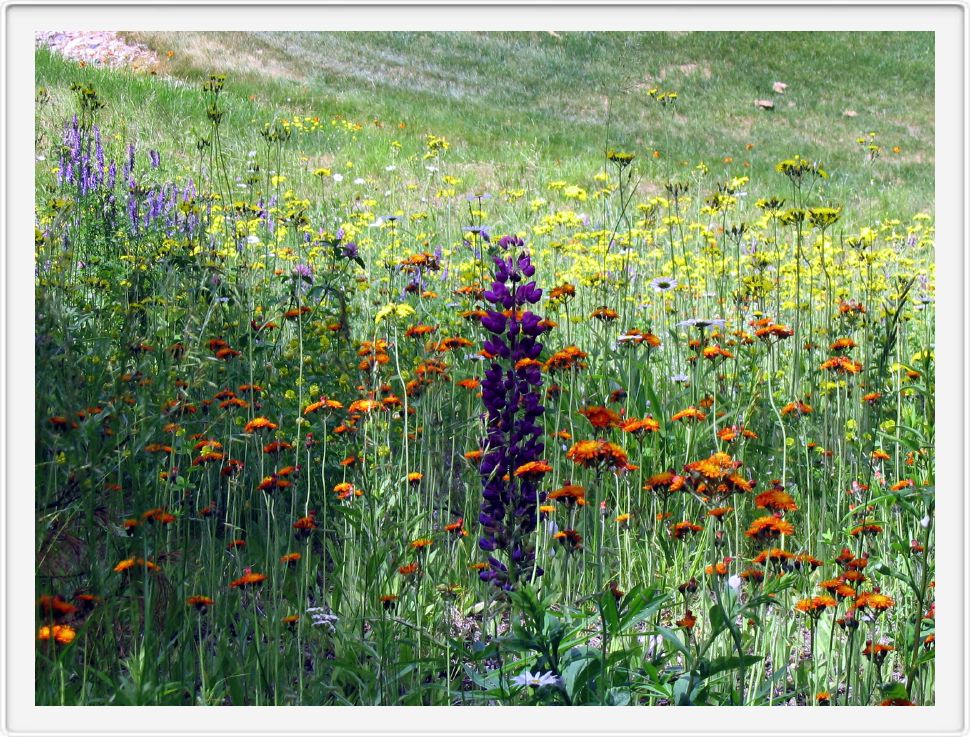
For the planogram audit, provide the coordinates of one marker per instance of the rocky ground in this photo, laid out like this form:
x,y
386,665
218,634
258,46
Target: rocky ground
x,y
99,48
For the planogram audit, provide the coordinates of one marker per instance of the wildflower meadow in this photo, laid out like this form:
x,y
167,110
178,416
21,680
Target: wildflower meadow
x,y
501,369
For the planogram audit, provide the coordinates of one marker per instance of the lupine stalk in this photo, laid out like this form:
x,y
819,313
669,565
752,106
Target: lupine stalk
x,y
511,393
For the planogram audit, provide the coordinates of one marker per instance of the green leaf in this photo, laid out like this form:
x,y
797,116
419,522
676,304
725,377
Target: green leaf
x,y
671,637
732,662
681,695
618,697
609,612
894,690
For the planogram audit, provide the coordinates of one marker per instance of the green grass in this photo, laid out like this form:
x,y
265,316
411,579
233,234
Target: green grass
x,y
510,100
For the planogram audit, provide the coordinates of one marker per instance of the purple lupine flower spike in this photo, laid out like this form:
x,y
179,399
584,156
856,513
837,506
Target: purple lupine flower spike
x,y
511,394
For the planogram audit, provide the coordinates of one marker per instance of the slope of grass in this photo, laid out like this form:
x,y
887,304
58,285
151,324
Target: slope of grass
x,y
513,99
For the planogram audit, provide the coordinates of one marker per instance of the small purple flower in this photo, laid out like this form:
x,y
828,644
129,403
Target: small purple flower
x,y
701,323
304,272
480,230
156,158
663,284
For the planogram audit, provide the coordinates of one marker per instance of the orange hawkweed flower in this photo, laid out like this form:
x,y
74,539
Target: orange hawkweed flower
x,y
867,528
290,559
680,530
409,569
851,307
841,365
563,292
776,332
232,467
259,423
421,543
130,563
796,408
457,528
640,427
769,528
532,470
324,403
363,406
305,524
732,433
903,484
569,357
666,482
638,337
715,468
159,514
469,384
713,352
772,555
842,344
570,495
570,539
776,500
720,568
874,600
877,652
207,457
418,331
604,314
54,607
815,605
838,587
200,602
452,344
687,621
720,512
691,413
277,446
600,417
269,483
597,453
248,580
62,634
752,574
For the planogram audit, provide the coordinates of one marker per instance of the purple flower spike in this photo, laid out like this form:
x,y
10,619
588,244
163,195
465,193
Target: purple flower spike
x,y
511,392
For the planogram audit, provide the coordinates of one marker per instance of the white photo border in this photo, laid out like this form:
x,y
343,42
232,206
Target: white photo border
x,y
18,22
